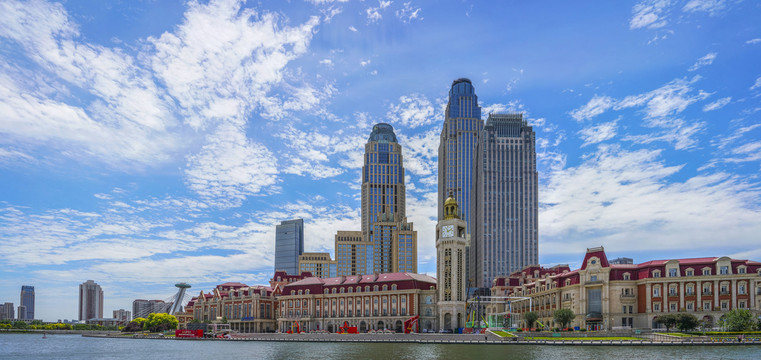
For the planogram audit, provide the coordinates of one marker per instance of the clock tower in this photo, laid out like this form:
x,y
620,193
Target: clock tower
x,y
451,241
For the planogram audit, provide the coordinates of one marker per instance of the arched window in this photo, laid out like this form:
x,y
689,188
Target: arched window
x,y
299,292
393,287
334,290
293,292
307,291
385,287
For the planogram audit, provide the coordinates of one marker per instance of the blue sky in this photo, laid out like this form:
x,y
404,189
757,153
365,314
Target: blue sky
x,y
149,142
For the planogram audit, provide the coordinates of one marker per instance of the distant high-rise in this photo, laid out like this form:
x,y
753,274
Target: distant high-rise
x,y
124,316
90,301
6,311
319,264
142,308
289,244
384,222
504,204
27,300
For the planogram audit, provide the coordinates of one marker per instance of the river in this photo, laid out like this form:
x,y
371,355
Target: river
x,y
33,346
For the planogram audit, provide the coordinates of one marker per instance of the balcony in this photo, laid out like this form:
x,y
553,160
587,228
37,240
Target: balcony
x,y
724,292
707,292
628,296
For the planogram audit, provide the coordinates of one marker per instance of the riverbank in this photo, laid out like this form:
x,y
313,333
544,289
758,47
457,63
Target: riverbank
x,y
487,339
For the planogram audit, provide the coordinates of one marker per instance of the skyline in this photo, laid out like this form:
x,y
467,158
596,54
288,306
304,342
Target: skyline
x,y
147,144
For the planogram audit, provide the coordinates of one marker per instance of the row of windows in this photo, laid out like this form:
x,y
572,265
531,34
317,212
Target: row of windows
x,y
706,271
350,289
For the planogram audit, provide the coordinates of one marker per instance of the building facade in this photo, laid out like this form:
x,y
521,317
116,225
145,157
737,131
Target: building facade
x,y
319,264
27,300
369,302
615,296
451,243
7,311
504,201
123,316
141,308
353,254
248,309
90,301
289,245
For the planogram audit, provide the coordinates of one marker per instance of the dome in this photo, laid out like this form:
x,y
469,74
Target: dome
x,y
451,209
382,132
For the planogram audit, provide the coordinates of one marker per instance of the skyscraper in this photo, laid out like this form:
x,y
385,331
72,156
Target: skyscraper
x,y
457,145
504,209
462,124
6,312
90,301
27,300
289,244
393,241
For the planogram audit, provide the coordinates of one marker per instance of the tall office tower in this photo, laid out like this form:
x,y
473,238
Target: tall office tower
x,y
27,299
384,223
90,301
457,145
504,209
289,244
7,311
319,264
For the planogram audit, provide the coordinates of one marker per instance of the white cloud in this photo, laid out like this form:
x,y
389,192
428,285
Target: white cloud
x,y
374,13
598,133
674,131
421,153
718,104
757,84
326,62
353,29
596,106
9,154
222,61
364,63
710,6
705,60
230,167
753,41
629,201
407,13
413,111
126,122
649,13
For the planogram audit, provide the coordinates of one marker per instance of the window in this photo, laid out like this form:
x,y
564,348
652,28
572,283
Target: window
x,y
724,305
656,273
656,291
742,305
624,310
706,305
672,291
627,276
689,272
656,307
300,292
689,306
706,272
690,290
741,289
672,306
724,270
593,278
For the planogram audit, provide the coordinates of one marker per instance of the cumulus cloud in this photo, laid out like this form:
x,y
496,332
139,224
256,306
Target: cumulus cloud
x,y
374,13
629,201
412,111
705,60
230,167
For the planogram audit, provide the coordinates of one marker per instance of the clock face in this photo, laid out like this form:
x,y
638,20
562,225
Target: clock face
x,y
447,231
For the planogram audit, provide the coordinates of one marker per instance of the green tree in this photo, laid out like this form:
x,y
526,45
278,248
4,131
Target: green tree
x,y
687,322
668,320
738,320
564,317
19,325
160,322
37,322
224,319
530,318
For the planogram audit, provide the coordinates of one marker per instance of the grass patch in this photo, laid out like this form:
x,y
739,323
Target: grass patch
x,y
501,333
583,338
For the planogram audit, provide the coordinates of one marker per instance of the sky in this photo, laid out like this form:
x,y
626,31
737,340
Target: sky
x,y
144,143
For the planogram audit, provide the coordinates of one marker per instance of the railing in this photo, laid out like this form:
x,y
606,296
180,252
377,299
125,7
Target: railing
x,y
707,292
628,295
724,292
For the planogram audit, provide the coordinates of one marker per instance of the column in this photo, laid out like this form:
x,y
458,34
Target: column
x,y
734,294
681,289
716,293
648,299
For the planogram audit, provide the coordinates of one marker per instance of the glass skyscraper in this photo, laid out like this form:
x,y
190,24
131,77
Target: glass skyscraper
x,y
504,207
457,145
289,244
27,300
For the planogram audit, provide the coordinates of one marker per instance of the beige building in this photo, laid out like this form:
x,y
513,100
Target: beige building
x,y
352,254
319,264
614,296
246,308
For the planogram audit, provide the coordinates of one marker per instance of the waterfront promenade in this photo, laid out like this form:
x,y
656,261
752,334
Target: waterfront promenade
x,y
482,339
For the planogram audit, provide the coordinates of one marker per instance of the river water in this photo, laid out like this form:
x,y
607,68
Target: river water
x,y
33,346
